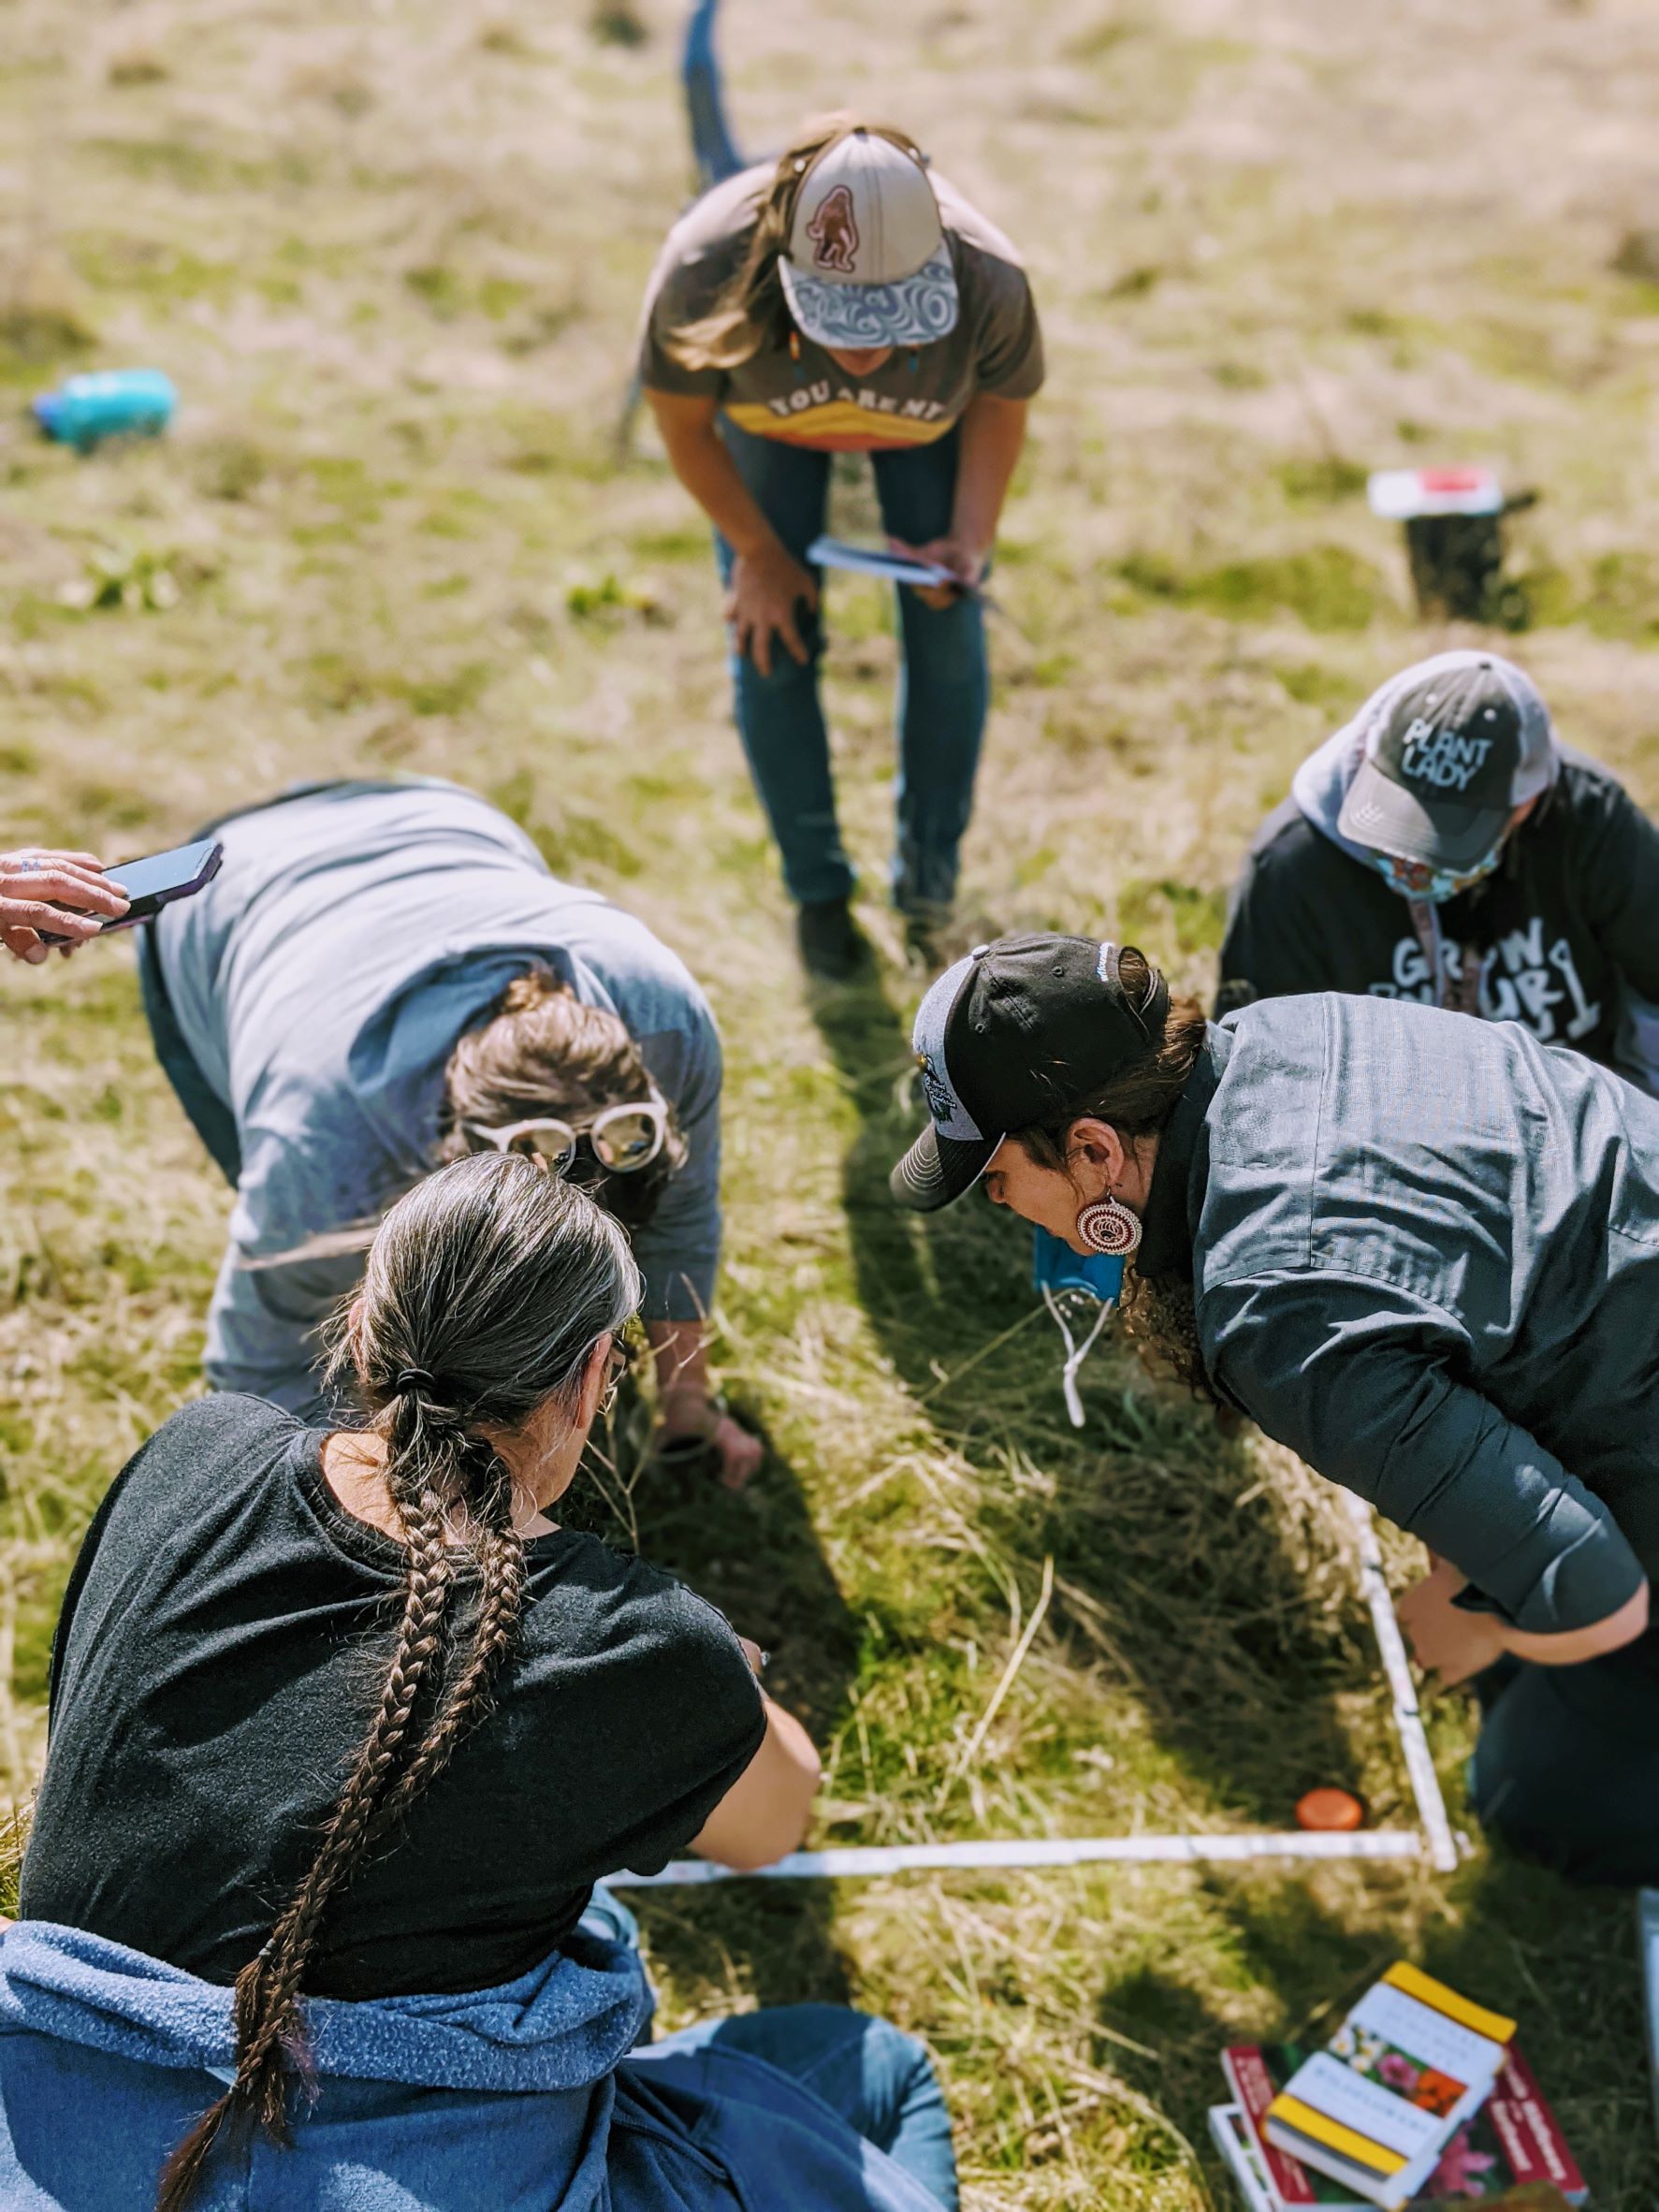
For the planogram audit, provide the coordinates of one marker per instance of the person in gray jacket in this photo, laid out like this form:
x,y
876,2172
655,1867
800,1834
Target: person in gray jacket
x,y
383,976
1421,1251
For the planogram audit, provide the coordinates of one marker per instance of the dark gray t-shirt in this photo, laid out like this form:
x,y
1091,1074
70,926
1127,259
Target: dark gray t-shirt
x,y
914,399
222,1644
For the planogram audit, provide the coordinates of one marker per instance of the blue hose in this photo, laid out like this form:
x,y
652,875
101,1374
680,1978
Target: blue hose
x,y
716,156
712,149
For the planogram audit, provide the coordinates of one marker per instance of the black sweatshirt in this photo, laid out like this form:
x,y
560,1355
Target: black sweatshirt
x,y
1567,928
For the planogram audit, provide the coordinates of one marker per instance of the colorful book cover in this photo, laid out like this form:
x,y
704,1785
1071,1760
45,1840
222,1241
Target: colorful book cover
x,y
1512,2140
1378,2106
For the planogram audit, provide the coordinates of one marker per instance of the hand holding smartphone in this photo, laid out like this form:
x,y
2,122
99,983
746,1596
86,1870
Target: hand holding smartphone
x,y
62,898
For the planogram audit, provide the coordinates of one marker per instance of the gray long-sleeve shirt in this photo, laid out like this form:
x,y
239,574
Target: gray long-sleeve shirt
x,y
321,981
1425,1256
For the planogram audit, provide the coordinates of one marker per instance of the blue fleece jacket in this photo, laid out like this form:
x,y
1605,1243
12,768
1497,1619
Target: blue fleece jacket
x,y
526,2098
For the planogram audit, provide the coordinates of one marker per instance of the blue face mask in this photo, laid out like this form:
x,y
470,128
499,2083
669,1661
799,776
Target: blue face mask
x,y
1077,1280
1415,879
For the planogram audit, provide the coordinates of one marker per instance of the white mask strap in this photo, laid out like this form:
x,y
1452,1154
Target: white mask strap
x,y
1075,1353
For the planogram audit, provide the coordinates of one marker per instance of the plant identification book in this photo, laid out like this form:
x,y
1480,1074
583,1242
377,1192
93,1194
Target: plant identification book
x,y
1240,2154
1512,2142
1377,2108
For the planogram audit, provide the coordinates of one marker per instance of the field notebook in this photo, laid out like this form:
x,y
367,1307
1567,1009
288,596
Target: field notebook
x,y
1239,2153
1377,2107
873,561
1512,2143
1237,2146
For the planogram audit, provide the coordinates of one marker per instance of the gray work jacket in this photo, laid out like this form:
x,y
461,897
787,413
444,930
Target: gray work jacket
x,y
1425,1256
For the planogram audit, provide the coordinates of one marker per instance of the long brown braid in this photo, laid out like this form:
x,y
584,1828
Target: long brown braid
x,y
503,1279
499,1553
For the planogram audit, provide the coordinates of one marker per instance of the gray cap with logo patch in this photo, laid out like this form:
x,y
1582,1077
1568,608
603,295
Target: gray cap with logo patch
x,y
1452,747
867,263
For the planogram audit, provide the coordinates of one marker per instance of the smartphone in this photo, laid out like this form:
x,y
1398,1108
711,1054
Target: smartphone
x,y
155,881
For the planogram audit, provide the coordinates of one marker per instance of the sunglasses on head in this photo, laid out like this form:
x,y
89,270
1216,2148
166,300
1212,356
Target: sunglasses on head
x,y
624,1139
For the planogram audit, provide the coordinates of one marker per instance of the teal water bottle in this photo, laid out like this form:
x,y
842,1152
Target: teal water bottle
x,y
112,404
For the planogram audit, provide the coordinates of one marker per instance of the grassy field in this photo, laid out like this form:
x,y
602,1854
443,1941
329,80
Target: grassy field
x,y
393,257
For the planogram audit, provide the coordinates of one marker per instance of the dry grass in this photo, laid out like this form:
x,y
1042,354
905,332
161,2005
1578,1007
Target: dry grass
x,y
393,257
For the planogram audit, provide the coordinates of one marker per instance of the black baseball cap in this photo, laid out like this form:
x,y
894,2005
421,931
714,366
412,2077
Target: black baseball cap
x,y
1017,1034
1452,747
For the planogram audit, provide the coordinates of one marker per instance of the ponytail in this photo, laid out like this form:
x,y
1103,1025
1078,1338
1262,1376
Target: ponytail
x,y
502,1280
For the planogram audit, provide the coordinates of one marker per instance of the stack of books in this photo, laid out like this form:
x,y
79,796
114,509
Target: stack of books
x,y
1419,2104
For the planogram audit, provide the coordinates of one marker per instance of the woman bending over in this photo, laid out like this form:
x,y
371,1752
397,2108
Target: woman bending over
x,y
845,300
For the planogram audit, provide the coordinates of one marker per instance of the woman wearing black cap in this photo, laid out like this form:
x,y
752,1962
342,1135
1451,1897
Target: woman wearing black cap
x,y
1423,1253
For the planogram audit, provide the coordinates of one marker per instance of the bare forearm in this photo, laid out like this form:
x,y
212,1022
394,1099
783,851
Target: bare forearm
x,y
766,1811
1573,1646
993,435
698,456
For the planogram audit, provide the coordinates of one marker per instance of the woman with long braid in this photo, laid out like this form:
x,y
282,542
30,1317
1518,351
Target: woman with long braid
x,y
345,1730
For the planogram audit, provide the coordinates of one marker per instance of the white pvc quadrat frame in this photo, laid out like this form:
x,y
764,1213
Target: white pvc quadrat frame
x,y
1433,1839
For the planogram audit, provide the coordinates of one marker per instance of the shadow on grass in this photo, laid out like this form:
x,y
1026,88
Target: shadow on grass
x,y
1206,1614
1563,1962
1169,1572
756,1556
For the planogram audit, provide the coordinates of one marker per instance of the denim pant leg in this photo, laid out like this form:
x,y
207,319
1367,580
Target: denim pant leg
x,y
878,2079
609,1918
944,686
1566,1770
780,715
209,1116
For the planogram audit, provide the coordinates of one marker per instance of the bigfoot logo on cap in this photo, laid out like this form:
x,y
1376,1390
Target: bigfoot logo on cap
x,y
834,232
867,263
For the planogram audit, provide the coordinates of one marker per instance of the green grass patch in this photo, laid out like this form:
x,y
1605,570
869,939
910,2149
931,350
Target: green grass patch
x,y
397,278
1321,482
1166,916
1327,586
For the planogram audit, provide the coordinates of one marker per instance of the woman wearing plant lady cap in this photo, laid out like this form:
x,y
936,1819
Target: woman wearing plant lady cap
x,y
1444,846
1421,1251
843,300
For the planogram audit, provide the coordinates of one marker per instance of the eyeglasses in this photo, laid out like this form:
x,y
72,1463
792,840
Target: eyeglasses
x,y
619,1359
624,1138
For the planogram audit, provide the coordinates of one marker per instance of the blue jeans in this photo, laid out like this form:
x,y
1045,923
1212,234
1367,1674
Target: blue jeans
x,y
1566,1770
209,1116
878,2079
944,684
